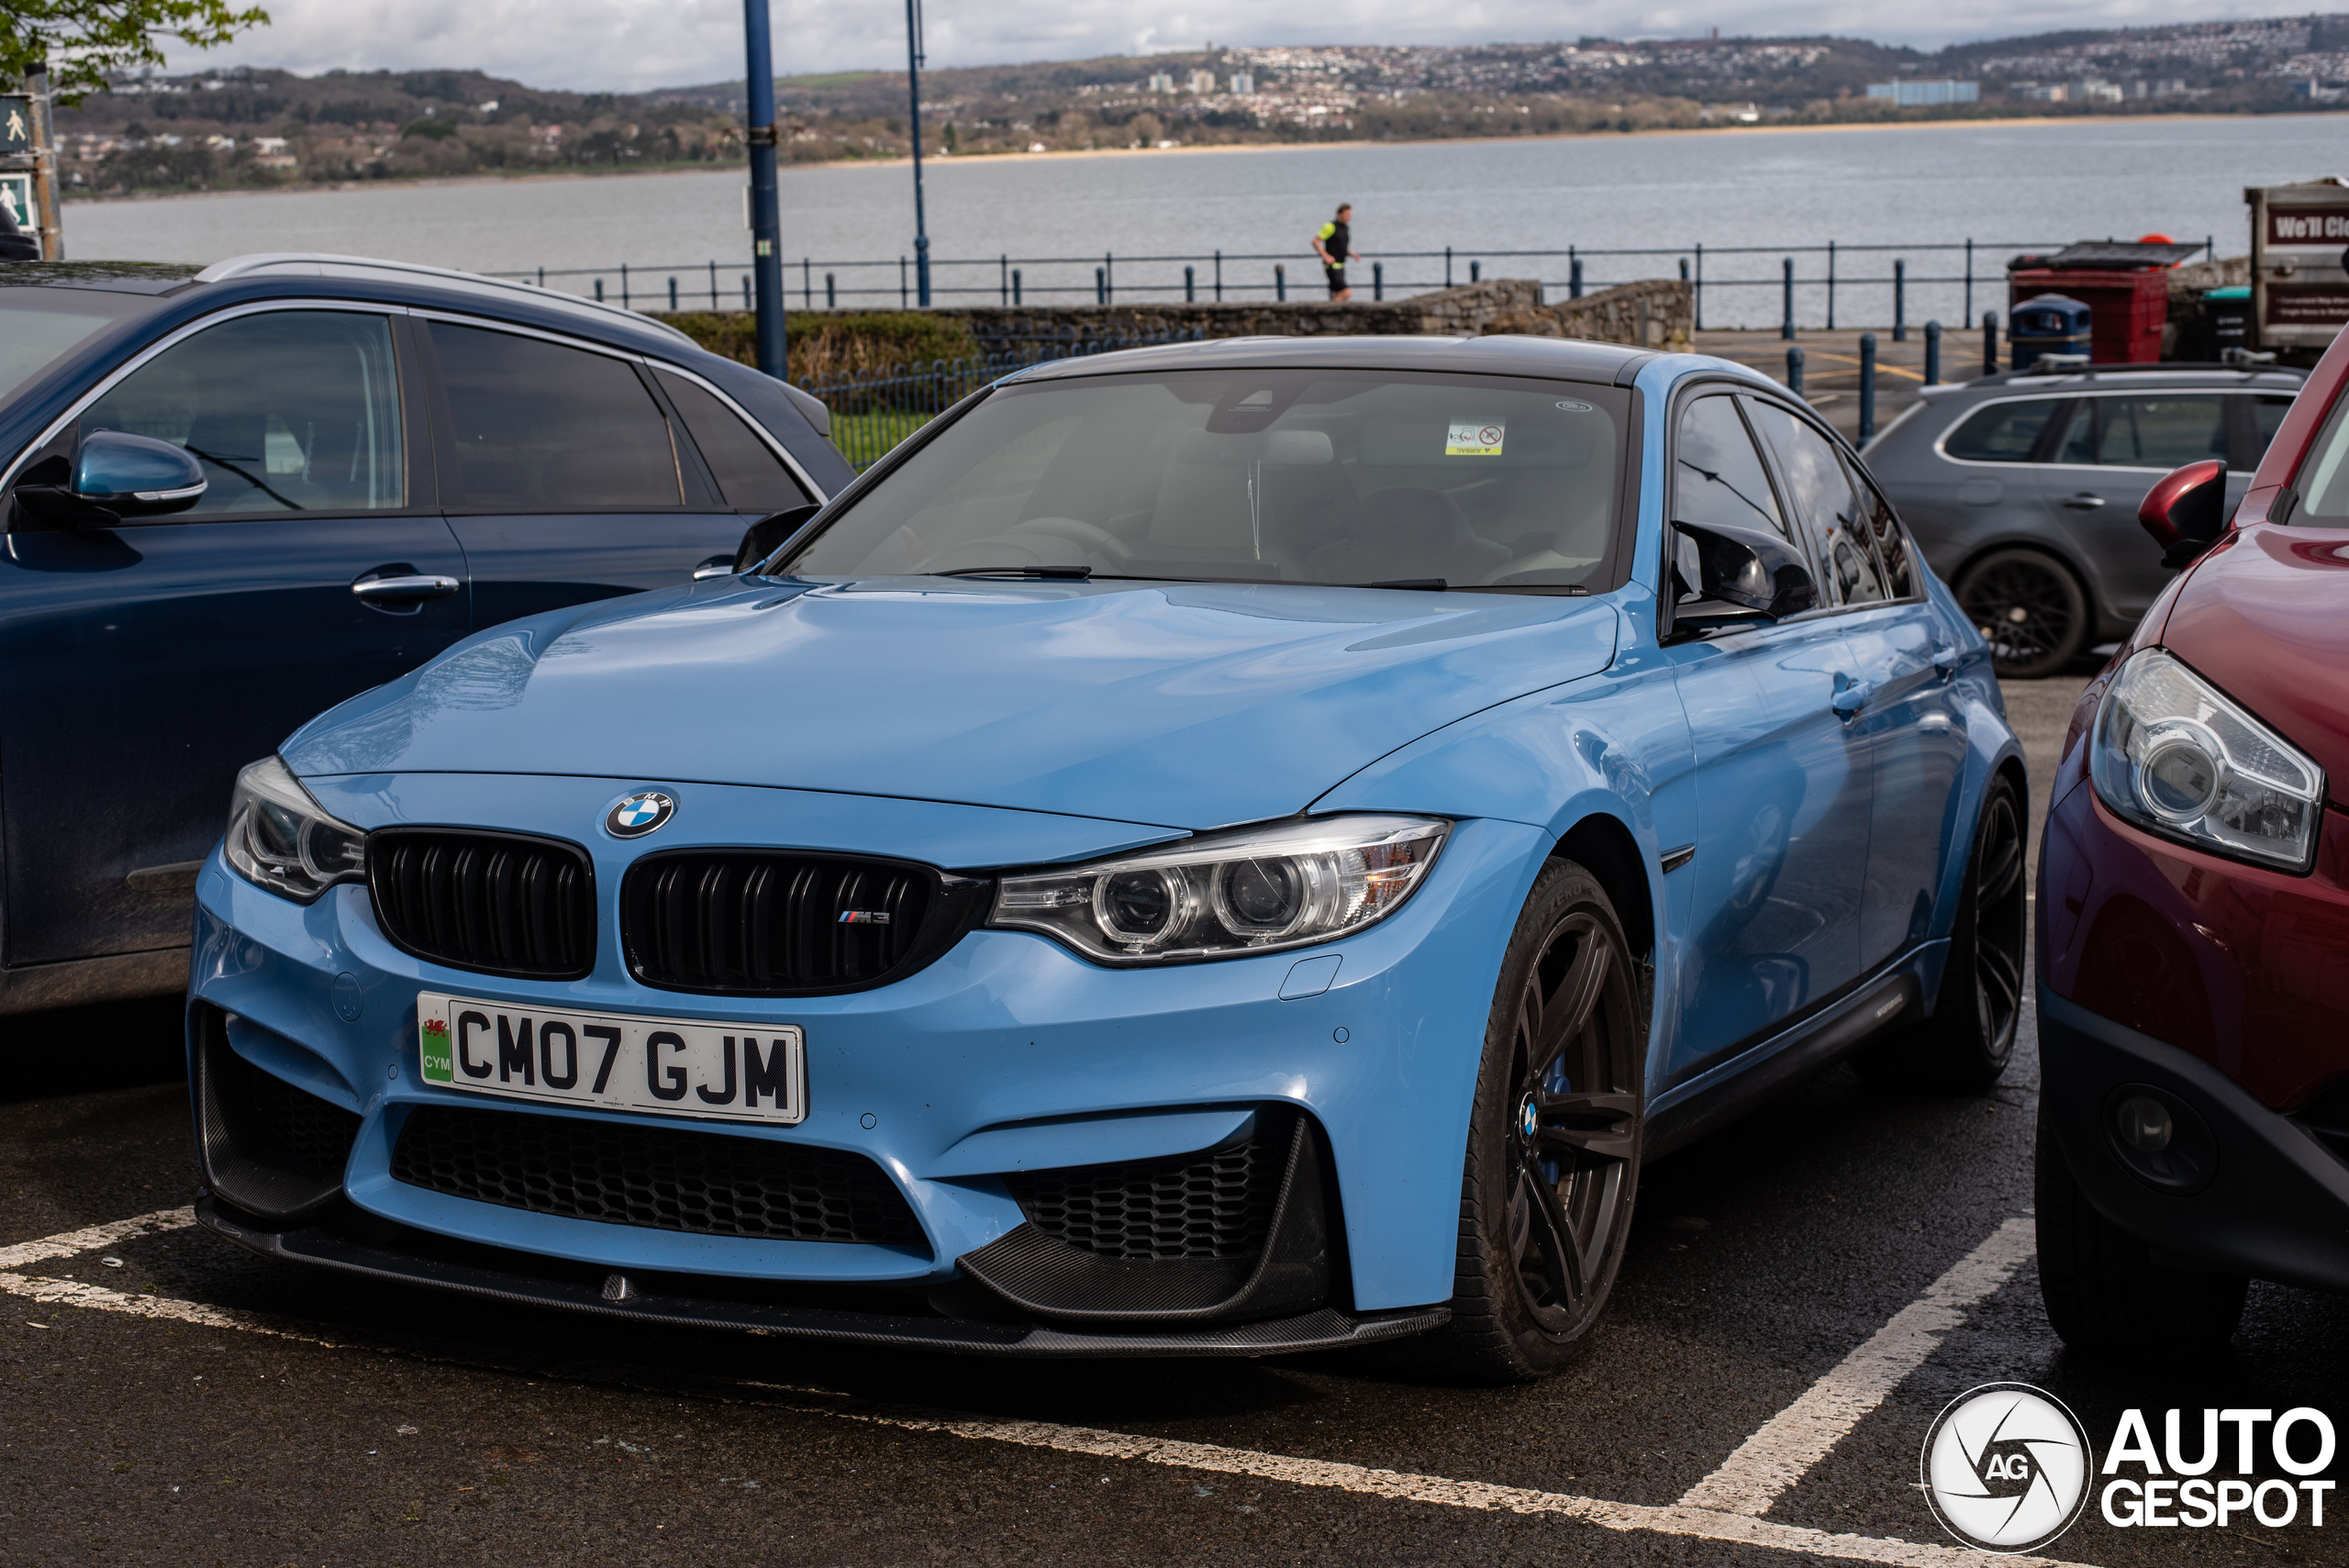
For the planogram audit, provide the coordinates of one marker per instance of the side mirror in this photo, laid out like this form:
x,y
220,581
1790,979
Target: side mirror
x,y
760,540
2185,511
1742,575
118,475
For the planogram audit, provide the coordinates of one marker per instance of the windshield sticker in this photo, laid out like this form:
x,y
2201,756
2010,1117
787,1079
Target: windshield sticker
x,y
1474,438
1573,408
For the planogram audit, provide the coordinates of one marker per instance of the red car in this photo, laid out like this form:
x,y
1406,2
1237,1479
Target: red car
x,y
2194,916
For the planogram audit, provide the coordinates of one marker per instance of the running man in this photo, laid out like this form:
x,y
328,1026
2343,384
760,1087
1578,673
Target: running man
x,y
1333,243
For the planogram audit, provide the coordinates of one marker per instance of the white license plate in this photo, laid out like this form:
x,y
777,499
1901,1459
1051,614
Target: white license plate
x,y
675,1066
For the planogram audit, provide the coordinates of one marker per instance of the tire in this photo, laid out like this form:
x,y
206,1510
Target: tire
x,y
1968,1042
2029,609
2104,1292
1544,1221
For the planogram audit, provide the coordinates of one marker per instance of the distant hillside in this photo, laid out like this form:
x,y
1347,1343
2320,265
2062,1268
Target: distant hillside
x,y
248,126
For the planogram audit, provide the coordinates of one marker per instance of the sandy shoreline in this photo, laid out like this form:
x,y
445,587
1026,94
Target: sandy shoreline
x,y
668,169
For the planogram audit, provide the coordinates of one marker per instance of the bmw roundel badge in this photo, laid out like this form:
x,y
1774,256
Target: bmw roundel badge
x,y
639,814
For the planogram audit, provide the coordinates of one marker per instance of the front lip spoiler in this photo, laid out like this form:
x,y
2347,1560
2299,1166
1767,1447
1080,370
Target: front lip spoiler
x,y
1325,1329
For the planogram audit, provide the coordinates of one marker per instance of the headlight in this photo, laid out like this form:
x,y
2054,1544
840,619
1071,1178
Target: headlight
x,y
279,839
1257,890
2175,756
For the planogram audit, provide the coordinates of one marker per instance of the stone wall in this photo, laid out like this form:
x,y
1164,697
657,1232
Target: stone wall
x,y
1657,313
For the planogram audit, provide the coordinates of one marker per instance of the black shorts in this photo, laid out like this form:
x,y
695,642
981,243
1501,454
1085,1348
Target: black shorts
x,y
1337,276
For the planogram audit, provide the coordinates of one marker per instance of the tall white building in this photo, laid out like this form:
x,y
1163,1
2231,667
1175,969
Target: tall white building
x,y
1161,81
1202,81
1244,83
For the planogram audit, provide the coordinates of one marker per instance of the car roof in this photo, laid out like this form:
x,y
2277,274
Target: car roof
x,y
310,264
1501,354
2109,378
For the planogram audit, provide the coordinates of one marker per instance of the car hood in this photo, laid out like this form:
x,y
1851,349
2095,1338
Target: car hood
x,y
1192,705
2267,618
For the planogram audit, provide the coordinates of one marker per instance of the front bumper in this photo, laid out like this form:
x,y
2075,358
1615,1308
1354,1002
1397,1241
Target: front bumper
x,y
2258,1194
1007,1055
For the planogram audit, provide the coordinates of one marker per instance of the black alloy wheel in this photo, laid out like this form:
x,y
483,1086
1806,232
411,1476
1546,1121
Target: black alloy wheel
x,y
2029,609
1969,1039
1554,1141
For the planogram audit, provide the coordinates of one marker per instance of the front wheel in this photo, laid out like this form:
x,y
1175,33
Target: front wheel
x,y
1553,1139
2029,609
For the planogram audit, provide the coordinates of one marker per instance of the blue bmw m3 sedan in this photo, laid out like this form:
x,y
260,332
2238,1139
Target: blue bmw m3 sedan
x,y
1221,850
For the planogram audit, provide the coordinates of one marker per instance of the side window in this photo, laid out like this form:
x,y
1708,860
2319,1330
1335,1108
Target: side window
x,y
1823,497
1892,555
749,475
2001,432
1717,476
2159,432
542,428
291,411
2267,411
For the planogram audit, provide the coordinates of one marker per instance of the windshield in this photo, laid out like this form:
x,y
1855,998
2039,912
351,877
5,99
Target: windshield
x,y
39,325
1255,475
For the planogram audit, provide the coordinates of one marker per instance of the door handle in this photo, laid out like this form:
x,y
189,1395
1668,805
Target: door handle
x,y
2085,501
715,566
1947,660
1852,698
407,589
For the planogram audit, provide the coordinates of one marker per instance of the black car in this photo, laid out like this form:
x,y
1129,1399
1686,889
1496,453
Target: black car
x,y
235,496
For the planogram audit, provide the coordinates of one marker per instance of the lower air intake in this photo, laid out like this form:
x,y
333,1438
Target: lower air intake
x,y
661,1178
1216,1205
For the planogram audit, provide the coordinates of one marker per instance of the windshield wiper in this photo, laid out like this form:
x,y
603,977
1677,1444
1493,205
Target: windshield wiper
x,y
1402,583
1073,573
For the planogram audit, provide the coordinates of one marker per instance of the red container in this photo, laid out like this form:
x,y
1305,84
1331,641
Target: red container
x,y
2127,309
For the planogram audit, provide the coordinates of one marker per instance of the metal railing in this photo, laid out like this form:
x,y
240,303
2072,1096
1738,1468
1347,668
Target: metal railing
x,y
872,411
1733,285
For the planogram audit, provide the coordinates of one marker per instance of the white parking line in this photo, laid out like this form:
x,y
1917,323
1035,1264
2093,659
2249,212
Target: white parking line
x,y
1765,1466
1800,1436
1680,1519
95,1237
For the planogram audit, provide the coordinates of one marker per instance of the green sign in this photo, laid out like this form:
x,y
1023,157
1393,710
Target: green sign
x,y
16,123
16,195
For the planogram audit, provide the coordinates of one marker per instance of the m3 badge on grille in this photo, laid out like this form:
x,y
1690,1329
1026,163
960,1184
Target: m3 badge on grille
x,y
639,814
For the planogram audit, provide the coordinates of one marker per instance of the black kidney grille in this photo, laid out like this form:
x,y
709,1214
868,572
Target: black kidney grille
x,y
1218,1205
501,903
764,922
657,1177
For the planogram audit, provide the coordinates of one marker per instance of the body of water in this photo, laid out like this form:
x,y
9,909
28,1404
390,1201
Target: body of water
x,y
2004,185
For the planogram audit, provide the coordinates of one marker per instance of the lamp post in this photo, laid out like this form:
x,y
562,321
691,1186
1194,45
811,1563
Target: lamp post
x,y
913,80
766,219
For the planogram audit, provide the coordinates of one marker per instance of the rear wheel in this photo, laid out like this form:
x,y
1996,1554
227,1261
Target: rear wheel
x,y
1968,1042
2103,1289
2029,609
1553,1139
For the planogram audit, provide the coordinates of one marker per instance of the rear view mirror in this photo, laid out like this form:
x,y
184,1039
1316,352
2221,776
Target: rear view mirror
x,y
2185,511
1741,576
763,536
118,475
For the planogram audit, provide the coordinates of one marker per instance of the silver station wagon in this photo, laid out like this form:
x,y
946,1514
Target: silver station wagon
x,y
2022,490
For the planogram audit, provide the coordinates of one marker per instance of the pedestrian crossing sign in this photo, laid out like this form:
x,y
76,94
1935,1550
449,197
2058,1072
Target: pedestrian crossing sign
x,y
16,124
17,193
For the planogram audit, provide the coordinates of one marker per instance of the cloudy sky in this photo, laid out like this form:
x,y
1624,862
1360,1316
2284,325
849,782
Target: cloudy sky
x,y
634,44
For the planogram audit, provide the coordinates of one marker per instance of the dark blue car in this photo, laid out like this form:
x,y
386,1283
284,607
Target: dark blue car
x,y
237,496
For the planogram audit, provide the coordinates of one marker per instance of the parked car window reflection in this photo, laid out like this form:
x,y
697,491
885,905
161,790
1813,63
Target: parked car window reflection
x,y
1718,477
1823,497
291,411
749,474
1891,542
2158,432
2268,413
544,427
2001,432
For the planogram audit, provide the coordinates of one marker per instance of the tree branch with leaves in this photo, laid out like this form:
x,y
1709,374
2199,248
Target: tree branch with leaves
x,y
84,41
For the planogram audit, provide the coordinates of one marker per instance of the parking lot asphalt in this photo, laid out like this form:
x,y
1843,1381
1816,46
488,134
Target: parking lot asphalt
x,y
166,1398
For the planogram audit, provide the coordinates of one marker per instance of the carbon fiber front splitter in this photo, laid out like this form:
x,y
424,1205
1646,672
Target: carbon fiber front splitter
x,y
410,1257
